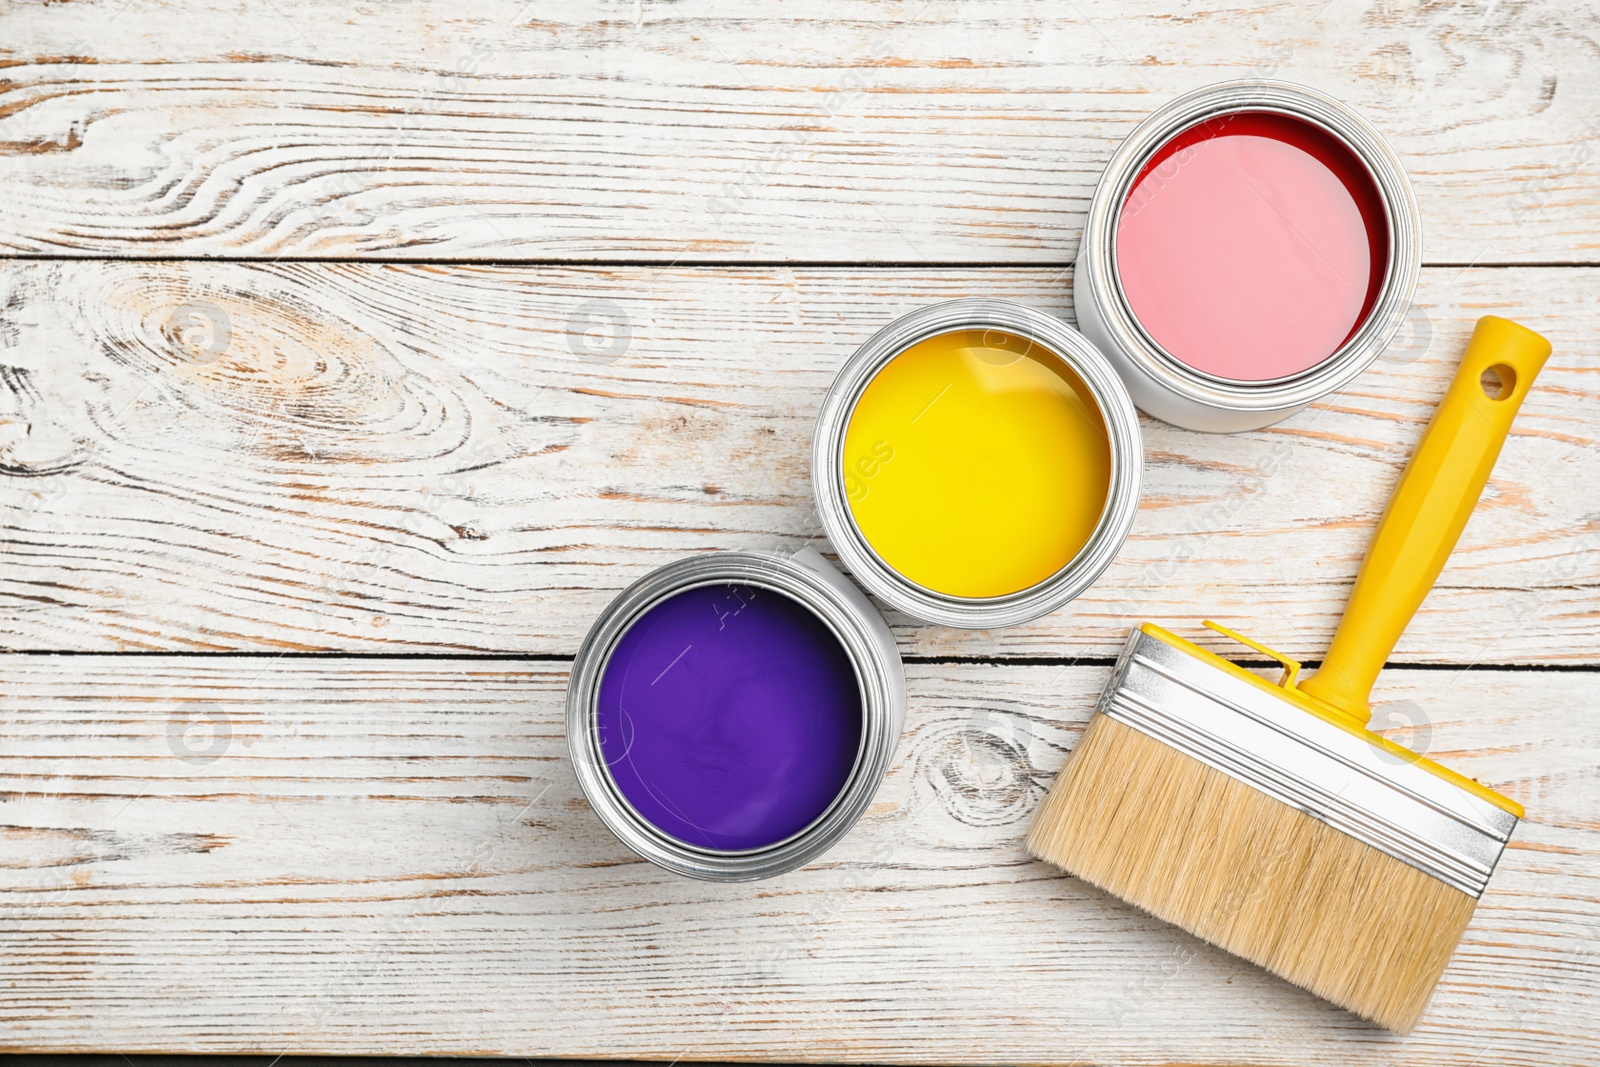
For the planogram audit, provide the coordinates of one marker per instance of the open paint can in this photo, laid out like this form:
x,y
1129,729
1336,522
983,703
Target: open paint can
x,y
731,715
1251,247
976,463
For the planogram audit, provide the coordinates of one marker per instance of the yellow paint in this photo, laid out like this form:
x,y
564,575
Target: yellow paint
x,y
976,463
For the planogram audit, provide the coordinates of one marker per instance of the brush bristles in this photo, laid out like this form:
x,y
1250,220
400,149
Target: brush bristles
x,y
1250,874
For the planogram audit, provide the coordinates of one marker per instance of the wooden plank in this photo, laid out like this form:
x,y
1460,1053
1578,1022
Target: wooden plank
x,y
939,131
269,854
393,458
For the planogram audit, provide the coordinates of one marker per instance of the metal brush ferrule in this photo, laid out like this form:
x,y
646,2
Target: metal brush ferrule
x,y
1249,733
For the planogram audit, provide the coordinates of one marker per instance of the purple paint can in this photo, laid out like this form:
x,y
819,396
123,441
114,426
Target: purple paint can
x,y
730,716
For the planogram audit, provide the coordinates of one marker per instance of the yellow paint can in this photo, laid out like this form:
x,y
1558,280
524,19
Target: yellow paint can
x,y
977,463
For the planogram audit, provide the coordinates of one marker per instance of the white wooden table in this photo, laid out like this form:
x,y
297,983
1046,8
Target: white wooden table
x,y
318,455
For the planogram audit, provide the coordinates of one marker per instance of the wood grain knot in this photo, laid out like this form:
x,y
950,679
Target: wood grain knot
x,y
246,356
980,770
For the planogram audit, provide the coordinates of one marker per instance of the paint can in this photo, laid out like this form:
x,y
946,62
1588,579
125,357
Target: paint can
x,y
976,463
1251,247
730,716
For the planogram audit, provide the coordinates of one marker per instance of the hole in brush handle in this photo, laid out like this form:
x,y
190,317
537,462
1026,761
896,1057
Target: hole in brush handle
x,y
1499,382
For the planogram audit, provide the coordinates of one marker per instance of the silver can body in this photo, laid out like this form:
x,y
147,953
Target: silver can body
x,y
807,579
1164,386
1122,430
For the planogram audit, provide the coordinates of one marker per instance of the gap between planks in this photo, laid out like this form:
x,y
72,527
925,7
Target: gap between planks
x,y
908,660
676,263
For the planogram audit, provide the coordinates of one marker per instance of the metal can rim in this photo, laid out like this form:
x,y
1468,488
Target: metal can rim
x,y
879,674
1122,498
1096,261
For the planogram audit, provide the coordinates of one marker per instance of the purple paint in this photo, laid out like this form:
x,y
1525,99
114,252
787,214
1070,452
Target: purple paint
x,y
729,717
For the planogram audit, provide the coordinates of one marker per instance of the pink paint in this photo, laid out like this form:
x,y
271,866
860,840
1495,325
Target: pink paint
x,y
1252,246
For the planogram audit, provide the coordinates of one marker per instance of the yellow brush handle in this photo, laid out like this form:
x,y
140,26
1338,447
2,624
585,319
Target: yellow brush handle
x,y
1430,506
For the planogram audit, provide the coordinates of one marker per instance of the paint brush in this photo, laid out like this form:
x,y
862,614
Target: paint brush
x,y
1266,818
